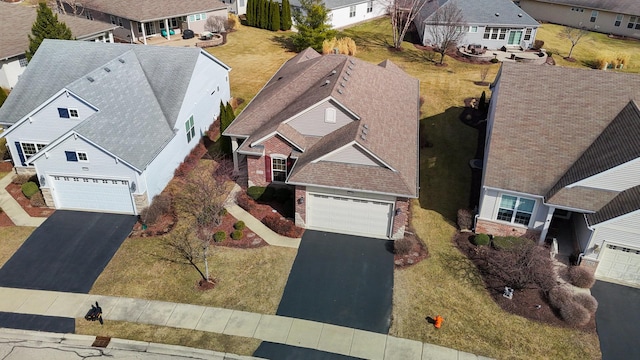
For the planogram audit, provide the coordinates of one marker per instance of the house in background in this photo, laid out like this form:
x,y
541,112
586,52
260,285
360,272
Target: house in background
x,y
620,17
565,164
15,27
348,12
104,126
144,18
490,23
341,132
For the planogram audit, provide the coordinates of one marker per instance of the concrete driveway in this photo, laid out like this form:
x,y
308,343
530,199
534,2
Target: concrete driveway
x,y
617,320
67,252
341,279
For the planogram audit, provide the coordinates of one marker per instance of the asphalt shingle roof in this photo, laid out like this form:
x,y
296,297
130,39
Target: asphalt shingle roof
x,y
16,21
626,202
383,97
484,12
619,6
148,10
139,98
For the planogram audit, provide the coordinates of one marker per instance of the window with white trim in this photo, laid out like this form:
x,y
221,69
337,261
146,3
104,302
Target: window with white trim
x,y
527,34
88,15
191,130
594,16
515,209
634,22
112,19
473,29
23,62
30,149
352,11
369,6
278,169
495,33
619,19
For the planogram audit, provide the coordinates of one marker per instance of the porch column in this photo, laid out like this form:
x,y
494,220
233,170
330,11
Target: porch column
x,y
166,27
234,147
110,37
144,33
133,34
547,223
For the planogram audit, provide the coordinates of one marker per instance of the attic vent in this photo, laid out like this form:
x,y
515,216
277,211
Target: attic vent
x,y
330,115
121,60
90,79
107,69
340,91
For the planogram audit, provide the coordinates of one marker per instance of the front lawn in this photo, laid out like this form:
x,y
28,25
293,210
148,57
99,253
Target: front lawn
x,y
12,238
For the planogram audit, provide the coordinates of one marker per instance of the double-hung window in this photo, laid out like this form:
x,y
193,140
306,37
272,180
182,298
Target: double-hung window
x,y
190,128
515,209
473,29
527,34
619,19
352,11
279,169
594,16
634,22
369,6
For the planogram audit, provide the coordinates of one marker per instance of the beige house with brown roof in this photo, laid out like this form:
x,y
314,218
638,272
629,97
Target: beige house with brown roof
x,y
15,26
565,164
141,19
344,134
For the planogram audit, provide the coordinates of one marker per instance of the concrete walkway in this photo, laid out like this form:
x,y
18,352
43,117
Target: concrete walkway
x,y
272,328
11,207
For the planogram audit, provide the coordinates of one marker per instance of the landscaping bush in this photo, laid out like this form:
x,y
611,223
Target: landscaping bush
x,y
244,201
160,205
282,195
481,239
559,296
223,212
37,200
523,266
402,246
581,277
549,53
20,179
574,314
538,44
587,301
255,192
280,225
465,219
236,235
494,61
29,189
219,236
507,242
239,225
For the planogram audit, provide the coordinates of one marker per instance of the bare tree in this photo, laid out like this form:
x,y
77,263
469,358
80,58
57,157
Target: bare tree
x,y
402,13
574,35
203,199
446,28
187,247
217,24
75,6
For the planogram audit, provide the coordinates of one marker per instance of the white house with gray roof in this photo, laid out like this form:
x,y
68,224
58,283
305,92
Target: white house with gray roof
x,y
348,12
490,23
104,126
618,17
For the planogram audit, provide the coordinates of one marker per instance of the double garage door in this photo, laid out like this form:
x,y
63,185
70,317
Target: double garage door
x,y
619,264
348,215
92,194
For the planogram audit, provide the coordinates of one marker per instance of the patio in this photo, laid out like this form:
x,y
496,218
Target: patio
x,y
510,55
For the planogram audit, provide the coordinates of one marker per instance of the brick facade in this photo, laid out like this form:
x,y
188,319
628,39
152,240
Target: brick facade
x,y
401,220
256,165
499,229
301,206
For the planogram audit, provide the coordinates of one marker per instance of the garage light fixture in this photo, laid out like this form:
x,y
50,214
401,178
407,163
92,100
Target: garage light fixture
x,y
42,180
398,211
300,200
133,187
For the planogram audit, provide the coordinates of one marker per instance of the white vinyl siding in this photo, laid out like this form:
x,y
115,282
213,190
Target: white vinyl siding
x,y
312,122
351,155
620,178
341,17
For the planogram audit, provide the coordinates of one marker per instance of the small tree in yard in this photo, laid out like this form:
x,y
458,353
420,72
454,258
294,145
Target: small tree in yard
x,y
446,28
285,17
275,16
312,22
402,14
574,36
216,24
46,26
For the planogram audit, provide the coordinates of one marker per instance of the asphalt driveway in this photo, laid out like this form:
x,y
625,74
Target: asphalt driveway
x,y
342,280
67,252
617,320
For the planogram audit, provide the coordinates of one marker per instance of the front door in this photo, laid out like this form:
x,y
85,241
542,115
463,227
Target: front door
x,y
514,37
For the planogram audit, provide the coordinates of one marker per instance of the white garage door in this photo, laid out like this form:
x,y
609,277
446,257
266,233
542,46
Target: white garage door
x,y
348,215
620,264
92,194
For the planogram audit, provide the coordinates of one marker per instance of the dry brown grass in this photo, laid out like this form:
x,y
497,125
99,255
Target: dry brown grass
x,y
165,335
12,238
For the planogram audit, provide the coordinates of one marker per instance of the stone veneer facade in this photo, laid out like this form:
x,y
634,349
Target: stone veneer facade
x,y
401,220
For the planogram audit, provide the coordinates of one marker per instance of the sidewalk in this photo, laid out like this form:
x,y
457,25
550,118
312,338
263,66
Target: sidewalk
x,y
11,207
272,328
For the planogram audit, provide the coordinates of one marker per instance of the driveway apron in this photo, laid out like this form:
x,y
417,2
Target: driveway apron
x,y
67,252
617,320
342,280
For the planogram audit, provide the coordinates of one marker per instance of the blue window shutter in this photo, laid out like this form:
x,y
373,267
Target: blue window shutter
x,y
71,155
20,154
63,112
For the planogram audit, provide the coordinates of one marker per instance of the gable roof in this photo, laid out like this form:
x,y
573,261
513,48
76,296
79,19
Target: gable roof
x,y
122,126
483,12
16,21
626,202
383,98
149,10
557,135
619,6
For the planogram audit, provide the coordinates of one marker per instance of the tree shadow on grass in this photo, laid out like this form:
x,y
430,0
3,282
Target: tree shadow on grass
x,y
284,41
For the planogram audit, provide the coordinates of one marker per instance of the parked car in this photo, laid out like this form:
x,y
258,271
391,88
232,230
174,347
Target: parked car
x,y
188,34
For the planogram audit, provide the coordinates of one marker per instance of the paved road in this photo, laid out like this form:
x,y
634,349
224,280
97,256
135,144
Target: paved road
x,y
67,252
617,320
341,279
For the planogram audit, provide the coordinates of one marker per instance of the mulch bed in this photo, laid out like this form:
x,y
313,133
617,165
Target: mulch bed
x,y
260,210
418,252
4,220
528,303
16,192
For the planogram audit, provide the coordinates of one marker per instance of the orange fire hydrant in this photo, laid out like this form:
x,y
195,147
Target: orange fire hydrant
x,y
438,322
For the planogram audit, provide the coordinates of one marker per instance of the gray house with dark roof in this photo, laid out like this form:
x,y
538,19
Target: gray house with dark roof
x,y
565,164
104,126
342,133
15,26
490,23
618,17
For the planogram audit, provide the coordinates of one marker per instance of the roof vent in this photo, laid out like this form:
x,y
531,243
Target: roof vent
x,y
348,72
365,126
340,91
107,69
520,15
352,62
350,67
333,72
342,84
497,14
121,60
363,137
280,78
345,78
90,79
365,131
327,82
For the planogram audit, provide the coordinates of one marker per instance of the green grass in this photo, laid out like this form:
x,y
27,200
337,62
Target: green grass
x,y
12,238
588,48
